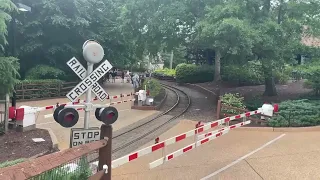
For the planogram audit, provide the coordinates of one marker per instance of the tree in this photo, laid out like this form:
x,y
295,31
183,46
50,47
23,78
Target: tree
x,y
6,7
225,30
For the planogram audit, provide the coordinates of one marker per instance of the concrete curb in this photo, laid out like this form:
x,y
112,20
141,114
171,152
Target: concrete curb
x,y
264,129
53,138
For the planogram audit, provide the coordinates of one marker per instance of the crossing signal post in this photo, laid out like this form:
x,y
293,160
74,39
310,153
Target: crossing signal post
x,y
67,115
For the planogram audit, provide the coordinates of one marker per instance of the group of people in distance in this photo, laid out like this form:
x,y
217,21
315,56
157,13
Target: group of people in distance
x,y
126,76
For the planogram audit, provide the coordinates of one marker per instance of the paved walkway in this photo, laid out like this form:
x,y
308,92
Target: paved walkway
x,y
127,115
238,155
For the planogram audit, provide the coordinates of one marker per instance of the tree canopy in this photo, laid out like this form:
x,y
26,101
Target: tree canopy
x,y
219,31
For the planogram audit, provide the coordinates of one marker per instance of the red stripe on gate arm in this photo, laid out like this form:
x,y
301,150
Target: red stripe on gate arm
x,y
238,116
221,130
217,135
204,141
133,156
118,102
157,146
49,107
187,148
241,124
214,124
181,137
199,130
170,156
227,119
114,97
256,112
233,126
209,134
248,114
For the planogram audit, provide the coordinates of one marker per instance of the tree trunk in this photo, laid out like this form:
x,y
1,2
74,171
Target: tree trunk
x,y
270,86
217,63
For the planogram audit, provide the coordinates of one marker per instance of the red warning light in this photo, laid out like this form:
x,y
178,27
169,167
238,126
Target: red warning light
x,y
111,115
69,117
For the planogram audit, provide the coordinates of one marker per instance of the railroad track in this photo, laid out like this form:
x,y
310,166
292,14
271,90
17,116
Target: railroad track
x,y
180,106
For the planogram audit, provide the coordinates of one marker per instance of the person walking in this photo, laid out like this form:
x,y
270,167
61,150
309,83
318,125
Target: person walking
x,y
122,76
114,76
108,76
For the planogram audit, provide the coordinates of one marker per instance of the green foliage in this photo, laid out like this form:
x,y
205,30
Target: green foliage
x,y
250,75
166,72
233,100
153,86
44,72
190,73
9,67
312,73
297,113
82,172
11,163
6,7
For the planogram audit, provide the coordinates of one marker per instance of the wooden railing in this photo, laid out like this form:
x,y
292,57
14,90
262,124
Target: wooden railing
x,y
38,91
52,166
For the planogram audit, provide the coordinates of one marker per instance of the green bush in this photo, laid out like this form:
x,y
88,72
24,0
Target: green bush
x,y
45,72
190,73
153,86
250,75
233,100
312,73
297,113
166,72
254,103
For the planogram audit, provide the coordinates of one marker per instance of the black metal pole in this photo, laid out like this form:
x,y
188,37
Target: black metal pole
x,y
13,52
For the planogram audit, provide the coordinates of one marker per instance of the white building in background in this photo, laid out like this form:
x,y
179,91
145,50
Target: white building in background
x,y
153,63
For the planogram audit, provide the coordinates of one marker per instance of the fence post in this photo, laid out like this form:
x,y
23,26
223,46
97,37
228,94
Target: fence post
x,y
59,89
218,109
22,89
6,113
106,152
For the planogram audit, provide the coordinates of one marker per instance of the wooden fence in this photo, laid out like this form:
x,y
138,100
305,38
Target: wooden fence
x,y
35,91
53,166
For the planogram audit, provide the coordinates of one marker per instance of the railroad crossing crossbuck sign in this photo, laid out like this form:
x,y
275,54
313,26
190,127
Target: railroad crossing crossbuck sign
x,y
89,81
77,68
67,115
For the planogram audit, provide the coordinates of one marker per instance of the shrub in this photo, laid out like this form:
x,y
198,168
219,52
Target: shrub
x,y
233,100
153,86
45,72
190,73
312,73
251,75
283,76
297,113
166,72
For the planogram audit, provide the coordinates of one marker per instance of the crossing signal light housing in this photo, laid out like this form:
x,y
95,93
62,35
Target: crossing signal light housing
x,y
66,117
107,115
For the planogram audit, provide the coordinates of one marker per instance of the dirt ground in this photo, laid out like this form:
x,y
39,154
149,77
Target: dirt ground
x,y
291,90
15,145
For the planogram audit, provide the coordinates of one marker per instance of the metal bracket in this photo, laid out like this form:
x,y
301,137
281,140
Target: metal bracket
x,y
88,106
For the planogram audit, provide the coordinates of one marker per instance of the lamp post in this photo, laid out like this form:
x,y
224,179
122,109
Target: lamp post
x,y
24,8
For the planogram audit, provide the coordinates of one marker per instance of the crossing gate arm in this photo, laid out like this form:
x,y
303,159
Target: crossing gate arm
x,y
214,135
